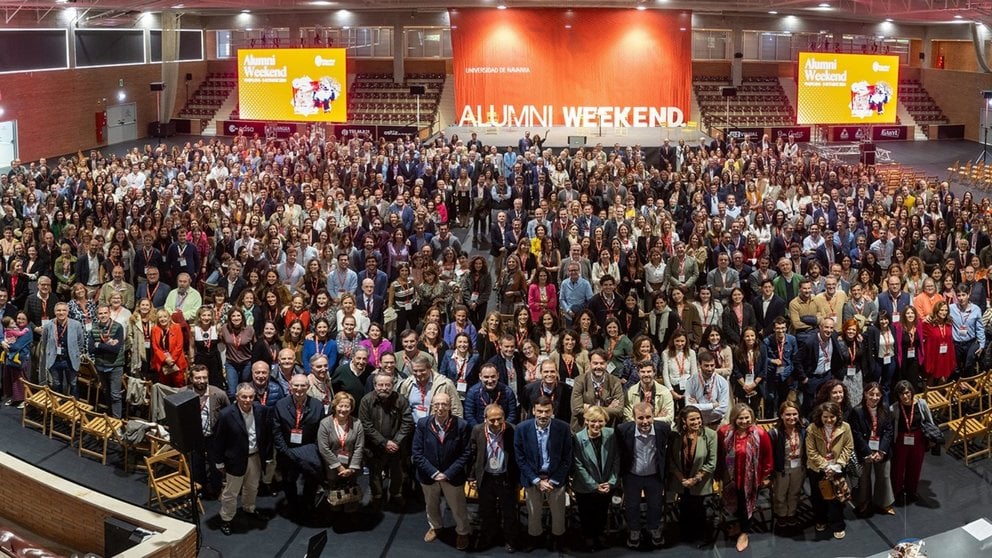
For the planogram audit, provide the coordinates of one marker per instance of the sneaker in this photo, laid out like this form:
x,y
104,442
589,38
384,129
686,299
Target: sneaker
x,y
821,527
839,534
657,538
225,527
634,540
430,535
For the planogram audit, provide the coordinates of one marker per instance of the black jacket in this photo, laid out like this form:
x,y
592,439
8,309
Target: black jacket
x,y
230,439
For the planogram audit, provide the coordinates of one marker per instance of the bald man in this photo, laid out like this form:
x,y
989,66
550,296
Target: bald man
x,y
295,421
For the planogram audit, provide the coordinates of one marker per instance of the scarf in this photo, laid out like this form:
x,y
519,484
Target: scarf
x,y
750,480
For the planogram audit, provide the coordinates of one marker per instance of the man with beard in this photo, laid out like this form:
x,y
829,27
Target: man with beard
x,y
387,422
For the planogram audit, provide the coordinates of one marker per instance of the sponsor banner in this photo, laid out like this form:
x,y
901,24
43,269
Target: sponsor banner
x,y
251,128
801,133
393,133
890,133
613,67
847,133
293,84
754,134
834,88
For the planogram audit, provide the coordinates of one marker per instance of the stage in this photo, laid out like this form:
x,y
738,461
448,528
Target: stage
x,y
558,137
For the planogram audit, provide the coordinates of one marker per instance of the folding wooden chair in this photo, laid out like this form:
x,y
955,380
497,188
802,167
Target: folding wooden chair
x,y
36,398
968,428
169,482
940,400
68,410
102,428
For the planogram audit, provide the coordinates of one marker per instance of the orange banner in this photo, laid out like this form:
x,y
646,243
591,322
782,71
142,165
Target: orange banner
x,y
838,88
293,84
526,67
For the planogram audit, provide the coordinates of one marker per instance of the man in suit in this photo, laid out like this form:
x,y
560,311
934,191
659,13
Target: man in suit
x,y
183,257
441,450
494,476
642,446
242,441
559,392
369,302
543,447
682,271
509,363
497,237
387,423
723,279
62,342
212,401
153,289
894,301
89,268
605,304
819,361
295,421
232,284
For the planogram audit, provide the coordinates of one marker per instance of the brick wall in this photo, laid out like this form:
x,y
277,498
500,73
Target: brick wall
x,y
959,95
55,111
72,515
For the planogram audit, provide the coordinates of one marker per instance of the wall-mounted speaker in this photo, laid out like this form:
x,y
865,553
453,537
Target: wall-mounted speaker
x,y
157,86
418,90
182,416
738,55
728,91
189,77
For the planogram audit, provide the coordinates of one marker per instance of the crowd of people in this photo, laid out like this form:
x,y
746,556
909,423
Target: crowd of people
x,y
616,329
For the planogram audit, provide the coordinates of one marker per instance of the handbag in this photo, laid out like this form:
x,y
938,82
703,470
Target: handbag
x,y
932,433
853,470
389,315
842,491
342,496
826,489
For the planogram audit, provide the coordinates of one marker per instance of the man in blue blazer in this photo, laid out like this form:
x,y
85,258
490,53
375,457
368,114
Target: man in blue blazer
x,y
442,446
242,444
894,300
643,445
543,446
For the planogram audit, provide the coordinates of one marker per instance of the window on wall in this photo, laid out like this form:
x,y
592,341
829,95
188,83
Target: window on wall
x,y
427,42
225,48
711,44
368,42
777,45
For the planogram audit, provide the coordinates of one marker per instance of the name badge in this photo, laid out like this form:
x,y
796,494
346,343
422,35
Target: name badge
x,y
795,463
748,378
58,351
908,440
88,326
475,298
910,353
886,359
943,348
963,329
462,386
895,317
182,262
344,458
873,444
683,380
611,367
148,345
494,463
45,322
780,371
851,370
569,382
296,436
682,277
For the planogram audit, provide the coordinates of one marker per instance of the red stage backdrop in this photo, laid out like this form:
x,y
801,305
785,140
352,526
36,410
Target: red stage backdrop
x,y
540,68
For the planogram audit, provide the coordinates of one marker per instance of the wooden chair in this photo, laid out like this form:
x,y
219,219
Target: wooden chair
x,y
128,408
38,398
101,427
970,391
940,400
151,446
968,428
89,379
169,482
767,424
68,410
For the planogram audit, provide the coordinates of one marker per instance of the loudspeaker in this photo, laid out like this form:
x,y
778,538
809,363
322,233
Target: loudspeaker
x,y
157,86
728,91
868,153
987,94
418,90
922,56
738,55
120,536
182,416
189,77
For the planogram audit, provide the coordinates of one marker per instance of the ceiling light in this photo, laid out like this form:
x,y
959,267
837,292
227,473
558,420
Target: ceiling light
x,y
958,16
772,12
61,1
501,7
568,26
681,28
641,8
246,11
824,5
888,19
321,3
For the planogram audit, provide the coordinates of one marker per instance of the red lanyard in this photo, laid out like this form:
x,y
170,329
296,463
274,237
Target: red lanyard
x,y
680,362
909,419
707,391
299,415
461,367
439,433
794,443
781,352
874,421
422,388
750,361
342,433
854,349
829,440
569,366
484,403
495,442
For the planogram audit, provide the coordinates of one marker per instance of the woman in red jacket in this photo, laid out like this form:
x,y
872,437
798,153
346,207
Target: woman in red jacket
x,y
744,466
939,361
168,357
